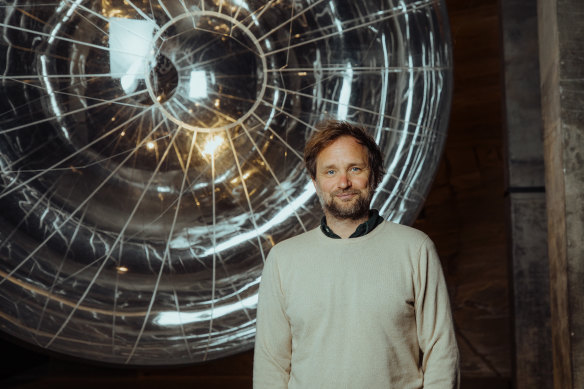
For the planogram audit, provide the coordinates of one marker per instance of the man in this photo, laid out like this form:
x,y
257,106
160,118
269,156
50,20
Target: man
x,y
358,302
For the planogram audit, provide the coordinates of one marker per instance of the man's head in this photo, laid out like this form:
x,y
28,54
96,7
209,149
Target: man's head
x,y
346,166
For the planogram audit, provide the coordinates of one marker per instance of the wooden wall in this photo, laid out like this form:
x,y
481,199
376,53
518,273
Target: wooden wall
x,y
465,210
464,214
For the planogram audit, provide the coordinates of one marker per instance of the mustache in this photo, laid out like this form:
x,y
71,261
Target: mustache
x,y
344,192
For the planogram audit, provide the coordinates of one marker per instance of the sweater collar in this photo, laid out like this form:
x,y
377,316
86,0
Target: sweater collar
x,y
362,230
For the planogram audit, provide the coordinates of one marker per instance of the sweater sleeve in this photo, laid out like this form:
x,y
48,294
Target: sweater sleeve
x,y
436,337
273,342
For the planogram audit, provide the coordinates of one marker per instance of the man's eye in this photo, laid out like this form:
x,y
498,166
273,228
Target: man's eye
x,y
355,169
330,172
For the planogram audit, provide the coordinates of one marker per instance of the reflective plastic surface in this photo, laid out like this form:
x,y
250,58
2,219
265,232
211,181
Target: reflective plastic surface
x,y
151,155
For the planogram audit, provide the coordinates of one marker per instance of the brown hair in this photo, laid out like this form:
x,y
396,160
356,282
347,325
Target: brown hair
x,y
329,131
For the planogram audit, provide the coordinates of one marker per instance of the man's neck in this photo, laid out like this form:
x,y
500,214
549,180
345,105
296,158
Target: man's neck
x,y
343,227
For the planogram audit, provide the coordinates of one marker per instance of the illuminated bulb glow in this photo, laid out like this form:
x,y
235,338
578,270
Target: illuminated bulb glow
x,y
212,145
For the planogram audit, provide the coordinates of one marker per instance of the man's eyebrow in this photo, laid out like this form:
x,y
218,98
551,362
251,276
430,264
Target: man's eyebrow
x,y
354,163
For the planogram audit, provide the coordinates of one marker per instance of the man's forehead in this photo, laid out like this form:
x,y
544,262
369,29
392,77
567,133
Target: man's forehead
x,y
344,142
344,150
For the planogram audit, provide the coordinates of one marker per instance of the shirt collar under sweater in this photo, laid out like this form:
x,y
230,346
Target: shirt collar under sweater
x,y
363,229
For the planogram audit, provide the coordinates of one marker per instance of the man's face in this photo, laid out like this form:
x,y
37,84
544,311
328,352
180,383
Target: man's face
x,y
342,179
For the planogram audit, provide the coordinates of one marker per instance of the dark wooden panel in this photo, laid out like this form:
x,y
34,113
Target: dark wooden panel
x,y
465,210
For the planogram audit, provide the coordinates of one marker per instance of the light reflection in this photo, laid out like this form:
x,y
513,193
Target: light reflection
x,y
345,94
198,84
272,112
174,318
245,176
164,189
241,3
131,43
403,143
286,212
336,20
52,96
384,89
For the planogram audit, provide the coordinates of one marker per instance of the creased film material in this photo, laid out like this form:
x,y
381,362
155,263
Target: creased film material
x,y
151,155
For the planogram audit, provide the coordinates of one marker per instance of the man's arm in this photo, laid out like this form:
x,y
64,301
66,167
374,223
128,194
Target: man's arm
x,y
273,343
436,337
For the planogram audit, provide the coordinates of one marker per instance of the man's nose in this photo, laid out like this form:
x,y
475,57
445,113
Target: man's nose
x,y
344,181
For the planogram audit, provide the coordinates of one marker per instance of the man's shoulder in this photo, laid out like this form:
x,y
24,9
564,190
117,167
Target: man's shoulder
x,y
395,232
296,245
301,240
402,229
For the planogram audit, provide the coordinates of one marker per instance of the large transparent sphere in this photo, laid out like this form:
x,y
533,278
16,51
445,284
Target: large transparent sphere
x,y
151,155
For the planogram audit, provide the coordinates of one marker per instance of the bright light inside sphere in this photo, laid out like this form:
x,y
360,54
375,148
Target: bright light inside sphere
x,y
198,85
213,144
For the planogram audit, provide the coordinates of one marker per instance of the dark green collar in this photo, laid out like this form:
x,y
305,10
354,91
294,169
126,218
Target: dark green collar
x,y
362,229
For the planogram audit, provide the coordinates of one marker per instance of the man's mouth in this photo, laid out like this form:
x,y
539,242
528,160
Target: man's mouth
x,y
346,195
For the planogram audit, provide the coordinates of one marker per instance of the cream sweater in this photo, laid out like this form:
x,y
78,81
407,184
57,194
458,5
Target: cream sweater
x,y
368,312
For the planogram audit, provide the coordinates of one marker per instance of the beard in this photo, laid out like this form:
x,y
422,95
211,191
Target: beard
x,y
355,209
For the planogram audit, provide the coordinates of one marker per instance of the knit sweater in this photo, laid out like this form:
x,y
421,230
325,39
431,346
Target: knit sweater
x,y
368,312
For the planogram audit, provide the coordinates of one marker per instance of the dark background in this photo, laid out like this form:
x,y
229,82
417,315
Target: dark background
x,y
464,214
